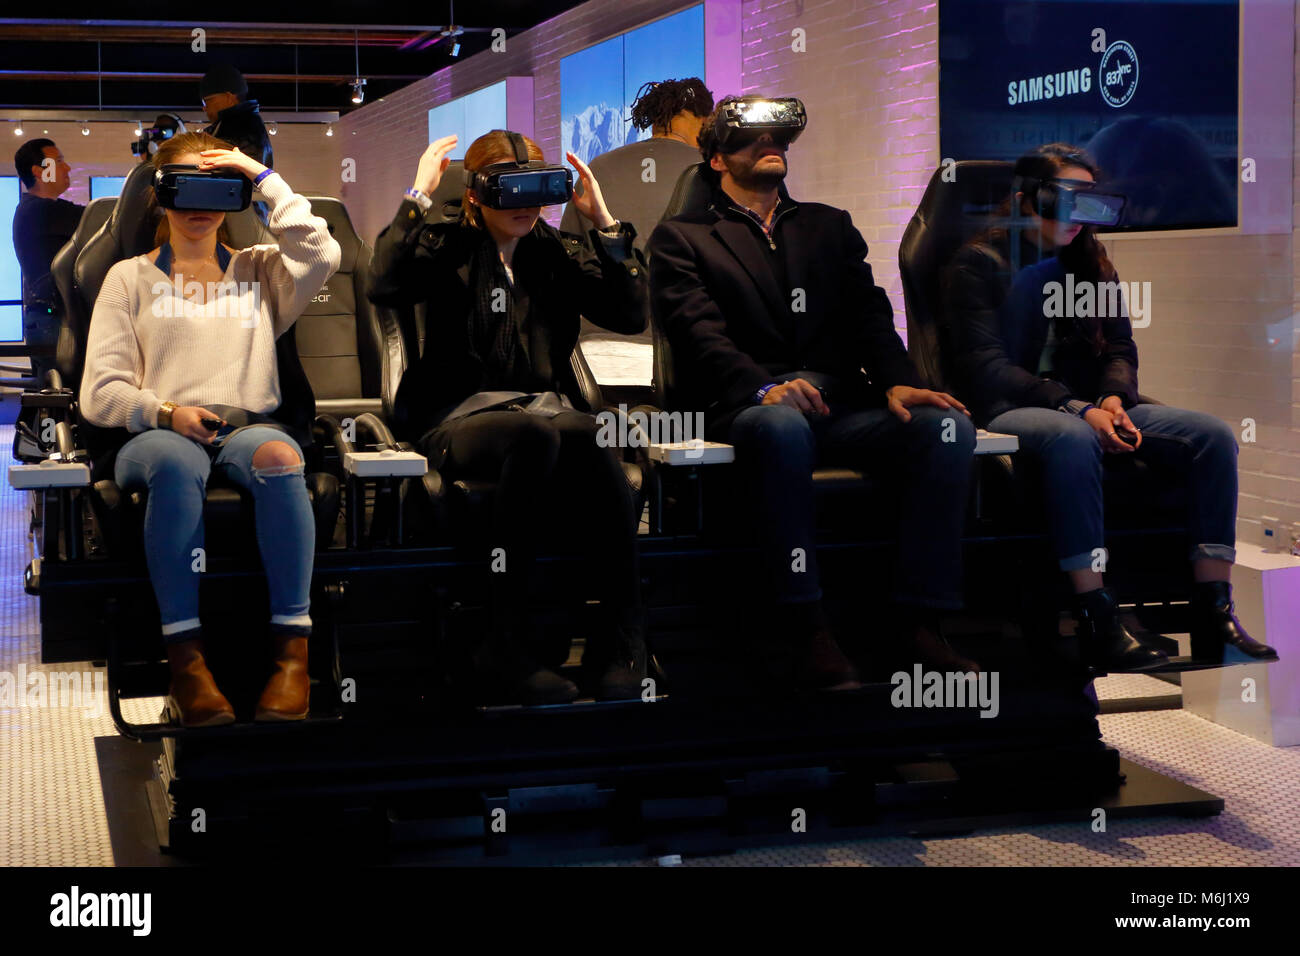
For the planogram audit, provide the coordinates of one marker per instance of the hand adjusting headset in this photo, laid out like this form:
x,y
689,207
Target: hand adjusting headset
x,y
1071,200
520,183
185,187
742,121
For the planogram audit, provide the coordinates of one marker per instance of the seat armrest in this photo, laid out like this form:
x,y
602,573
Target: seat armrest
x,y
50,473
388,463
327,429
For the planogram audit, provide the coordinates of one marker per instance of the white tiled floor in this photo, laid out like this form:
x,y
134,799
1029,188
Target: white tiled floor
x,y
52,808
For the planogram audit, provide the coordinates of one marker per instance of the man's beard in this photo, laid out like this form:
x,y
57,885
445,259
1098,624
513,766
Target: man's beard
x,y
746,177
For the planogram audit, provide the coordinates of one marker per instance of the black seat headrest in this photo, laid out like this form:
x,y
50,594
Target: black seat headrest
x,y
246,229
95,215
693,192
450,192
336,217
958,204
73,317
128,232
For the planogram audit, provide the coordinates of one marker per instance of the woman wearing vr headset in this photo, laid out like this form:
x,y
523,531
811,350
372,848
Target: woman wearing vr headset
x,y
503,292
158,362
1065,382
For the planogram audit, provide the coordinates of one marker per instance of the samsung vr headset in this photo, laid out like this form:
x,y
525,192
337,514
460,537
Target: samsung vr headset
x,y
1071,200
182,187
164,128
742,121
521,183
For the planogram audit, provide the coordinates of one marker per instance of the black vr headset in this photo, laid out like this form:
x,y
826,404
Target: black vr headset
x,y
522,183
1071,200
742,121
164,128
182,187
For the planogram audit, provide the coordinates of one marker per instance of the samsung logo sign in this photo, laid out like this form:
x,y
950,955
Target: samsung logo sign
x,y
1047,87
1117,79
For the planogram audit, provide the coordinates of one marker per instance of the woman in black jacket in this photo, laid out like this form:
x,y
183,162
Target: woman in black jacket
x,y
494,397
1044,350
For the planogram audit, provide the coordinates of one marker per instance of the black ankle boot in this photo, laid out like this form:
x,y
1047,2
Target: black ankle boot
x,y
620,659
507,673
819,662
1104,640
920,640
1217,635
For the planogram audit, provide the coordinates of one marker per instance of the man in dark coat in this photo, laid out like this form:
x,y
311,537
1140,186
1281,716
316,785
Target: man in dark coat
x,y
781,336
235,118
42,224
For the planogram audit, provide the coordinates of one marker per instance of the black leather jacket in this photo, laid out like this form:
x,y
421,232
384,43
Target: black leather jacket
x,y
417,262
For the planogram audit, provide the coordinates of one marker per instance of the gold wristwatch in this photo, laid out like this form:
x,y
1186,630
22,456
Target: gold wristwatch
x,y
165,414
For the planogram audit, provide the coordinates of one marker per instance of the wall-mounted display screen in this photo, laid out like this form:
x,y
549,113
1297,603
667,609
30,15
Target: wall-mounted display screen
x,y
11,277
1149,87
101,186
599,84
469,116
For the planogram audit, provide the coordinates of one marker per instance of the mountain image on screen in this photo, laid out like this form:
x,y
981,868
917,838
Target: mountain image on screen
x,y
597,129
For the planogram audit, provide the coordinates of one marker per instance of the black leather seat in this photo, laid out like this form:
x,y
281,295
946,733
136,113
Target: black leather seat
x,y
352,350
128,232
960,201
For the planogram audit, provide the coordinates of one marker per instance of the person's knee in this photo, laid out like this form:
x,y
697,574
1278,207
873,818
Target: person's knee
x,y
945,434
274,458
1219,437
778,430
176,463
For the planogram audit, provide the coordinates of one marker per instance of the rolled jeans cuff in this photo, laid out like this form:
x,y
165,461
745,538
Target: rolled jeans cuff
x,y
1078,562
1221,552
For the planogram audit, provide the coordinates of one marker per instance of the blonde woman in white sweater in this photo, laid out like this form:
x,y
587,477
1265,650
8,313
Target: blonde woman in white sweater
x,y
193,324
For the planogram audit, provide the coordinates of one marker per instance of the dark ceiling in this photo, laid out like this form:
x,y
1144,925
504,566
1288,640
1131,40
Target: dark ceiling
x,y
140,57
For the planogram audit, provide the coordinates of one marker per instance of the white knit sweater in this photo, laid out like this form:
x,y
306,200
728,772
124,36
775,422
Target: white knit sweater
x,y
148,344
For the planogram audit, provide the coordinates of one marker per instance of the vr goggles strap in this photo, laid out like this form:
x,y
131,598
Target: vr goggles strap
x,y
521,148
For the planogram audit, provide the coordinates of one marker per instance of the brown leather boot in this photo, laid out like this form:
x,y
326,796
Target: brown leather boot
x,y
287,695
193,693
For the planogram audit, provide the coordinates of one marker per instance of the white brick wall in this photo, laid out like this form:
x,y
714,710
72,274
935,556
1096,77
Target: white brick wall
x,y
304,155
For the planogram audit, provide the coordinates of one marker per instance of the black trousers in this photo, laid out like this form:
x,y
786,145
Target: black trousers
x,y
553,477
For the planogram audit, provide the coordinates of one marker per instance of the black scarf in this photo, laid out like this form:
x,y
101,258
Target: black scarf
x,y
494,333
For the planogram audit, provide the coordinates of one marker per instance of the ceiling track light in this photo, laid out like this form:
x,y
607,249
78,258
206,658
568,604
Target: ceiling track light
x,y
358,94
329,129
272,128
452,30
85,129
139,129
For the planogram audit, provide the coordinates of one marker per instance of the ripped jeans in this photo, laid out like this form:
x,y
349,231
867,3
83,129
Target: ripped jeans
x,y
175,470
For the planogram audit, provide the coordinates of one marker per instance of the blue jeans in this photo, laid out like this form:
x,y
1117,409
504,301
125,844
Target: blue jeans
x,y
929,459
1199,446
175,470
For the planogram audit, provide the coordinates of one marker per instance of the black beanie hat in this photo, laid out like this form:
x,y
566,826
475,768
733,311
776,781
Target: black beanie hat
x,y
223,78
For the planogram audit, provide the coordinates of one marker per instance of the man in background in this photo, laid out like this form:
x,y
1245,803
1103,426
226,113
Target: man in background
x,y
637,180
235,118
42,224
637,191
